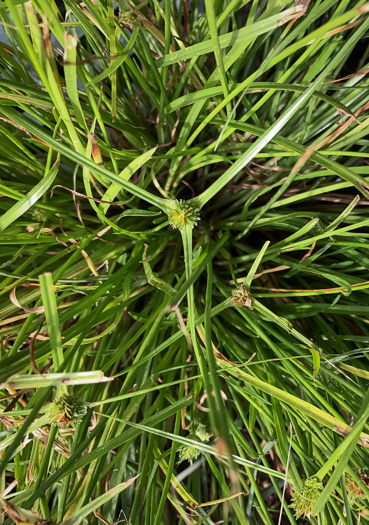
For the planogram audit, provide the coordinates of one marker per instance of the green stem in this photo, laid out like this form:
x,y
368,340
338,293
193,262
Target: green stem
x,y
187,248
169,473
46,457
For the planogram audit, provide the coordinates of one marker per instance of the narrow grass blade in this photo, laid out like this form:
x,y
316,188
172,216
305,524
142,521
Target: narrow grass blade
x,y
52,319
24,204
80,514
341,456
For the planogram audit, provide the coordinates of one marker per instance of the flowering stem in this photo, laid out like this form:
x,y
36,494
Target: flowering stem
x,y
187,248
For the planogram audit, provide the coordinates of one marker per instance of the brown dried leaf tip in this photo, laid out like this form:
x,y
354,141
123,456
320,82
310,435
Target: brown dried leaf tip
x,y
22,516
241,297
95,149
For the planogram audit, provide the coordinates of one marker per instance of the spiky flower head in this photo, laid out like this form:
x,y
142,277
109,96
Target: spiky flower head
x,y
127,17
68,410
38,215
183,214
241,297
303,502
189,452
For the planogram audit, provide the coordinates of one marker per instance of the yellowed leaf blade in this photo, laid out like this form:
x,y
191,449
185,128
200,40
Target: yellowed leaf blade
x,y
222,500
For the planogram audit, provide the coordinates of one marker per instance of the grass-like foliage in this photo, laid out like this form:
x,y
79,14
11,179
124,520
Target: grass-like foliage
x,y
184,262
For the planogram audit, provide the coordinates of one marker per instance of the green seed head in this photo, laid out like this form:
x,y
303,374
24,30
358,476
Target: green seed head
x,y
68,409
184,214
188,453
127,17
304,502
38,215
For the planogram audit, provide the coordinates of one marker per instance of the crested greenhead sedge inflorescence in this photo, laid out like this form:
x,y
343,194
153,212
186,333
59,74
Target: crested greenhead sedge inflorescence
x,y
68,410
304,501
184,214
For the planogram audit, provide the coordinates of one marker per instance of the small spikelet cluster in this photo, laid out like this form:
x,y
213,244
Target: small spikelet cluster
x,y
183,214
188,453
68,410
38,215
127,17
191,453
304,501
354,492
241,297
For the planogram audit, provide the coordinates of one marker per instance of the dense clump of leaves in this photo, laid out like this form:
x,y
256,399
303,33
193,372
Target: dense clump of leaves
x,y
184,232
